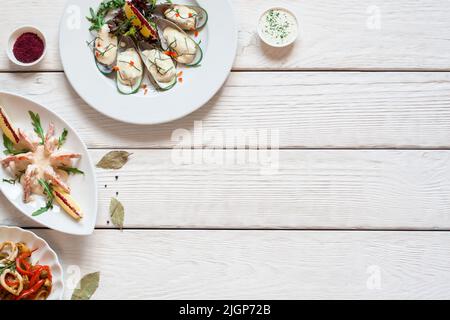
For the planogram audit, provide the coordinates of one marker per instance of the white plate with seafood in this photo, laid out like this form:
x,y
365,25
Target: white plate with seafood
x,y
46,171
39,275
147,61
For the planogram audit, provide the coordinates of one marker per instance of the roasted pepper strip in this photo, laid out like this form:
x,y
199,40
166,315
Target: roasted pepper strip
x,y
36,275
20,261
31,291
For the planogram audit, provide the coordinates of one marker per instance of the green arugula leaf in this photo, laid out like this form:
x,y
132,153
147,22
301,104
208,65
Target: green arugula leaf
x,y
71,170
9,146
48,191
62,139
41,210
97,19
36,122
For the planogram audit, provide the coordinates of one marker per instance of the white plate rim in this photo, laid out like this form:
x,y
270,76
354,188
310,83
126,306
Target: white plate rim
x,y
47,247
97,103
87,231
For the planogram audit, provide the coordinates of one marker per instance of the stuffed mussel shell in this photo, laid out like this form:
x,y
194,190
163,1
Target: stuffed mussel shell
x,y
178,44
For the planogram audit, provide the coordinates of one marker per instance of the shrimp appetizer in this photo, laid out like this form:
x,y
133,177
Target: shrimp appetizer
x,y
137,37
19,278
36,161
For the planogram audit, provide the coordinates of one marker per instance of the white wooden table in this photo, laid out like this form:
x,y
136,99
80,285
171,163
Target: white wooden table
x,y
360,205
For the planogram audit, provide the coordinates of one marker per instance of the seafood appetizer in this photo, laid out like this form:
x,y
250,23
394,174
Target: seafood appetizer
x,y
135,38
19,278
37,161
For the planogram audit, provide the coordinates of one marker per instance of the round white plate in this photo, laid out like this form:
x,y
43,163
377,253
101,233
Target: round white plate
x,y
44,255
84,187
218,41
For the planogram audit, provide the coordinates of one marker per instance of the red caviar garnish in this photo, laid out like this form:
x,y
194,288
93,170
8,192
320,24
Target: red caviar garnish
x,y
177,15
131,63
190,15
171,53
196,33
116,68
180,80
180,74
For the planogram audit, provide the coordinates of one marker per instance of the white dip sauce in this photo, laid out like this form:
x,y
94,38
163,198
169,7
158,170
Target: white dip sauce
x,y
278,27
184,47
130,67
105,46
160,65
183,16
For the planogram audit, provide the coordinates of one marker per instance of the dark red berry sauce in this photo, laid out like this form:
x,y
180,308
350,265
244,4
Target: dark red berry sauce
x,y
28,47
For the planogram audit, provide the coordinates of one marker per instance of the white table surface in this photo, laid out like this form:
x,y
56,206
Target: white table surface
x,y
359,206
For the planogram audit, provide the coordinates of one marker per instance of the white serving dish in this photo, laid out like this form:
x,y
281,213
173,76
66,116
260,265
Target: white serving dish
x,y
44,255
84,187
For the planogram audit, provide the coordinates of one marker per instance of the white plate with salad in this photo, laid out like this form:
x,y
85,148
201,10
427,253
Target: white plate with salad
x,y
46,171
147,61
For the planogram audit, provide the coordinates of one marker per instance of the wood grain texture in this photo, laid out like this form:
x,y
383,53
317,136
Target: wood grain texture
x,y
310,190
301,110
259,265
334,34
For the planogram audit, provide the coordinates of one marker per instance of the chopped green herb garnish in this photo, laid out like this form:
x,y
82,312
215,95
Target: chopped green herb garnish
x,y
277,25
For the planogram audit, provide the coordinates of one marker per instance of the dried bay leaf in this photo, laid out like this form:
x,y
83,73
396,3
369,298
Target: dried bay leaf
x,y
117,213
87,287
114,160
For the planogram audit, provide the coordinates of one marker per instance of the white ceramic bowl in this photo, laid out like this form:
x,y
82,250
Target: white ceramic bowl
x,y
12,39
44,254
265,40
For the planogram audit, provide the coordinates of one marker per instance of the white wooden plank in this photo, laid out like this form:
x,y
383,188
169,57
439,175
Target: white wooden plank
x,y
311,109
346,34
310,190
259,265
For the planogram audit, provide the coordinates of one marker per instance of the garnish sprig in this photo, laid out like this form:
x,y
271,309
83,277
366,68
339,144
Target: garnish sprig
x,y
10,148
36,122
62,139
97,19
71,170
48,191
